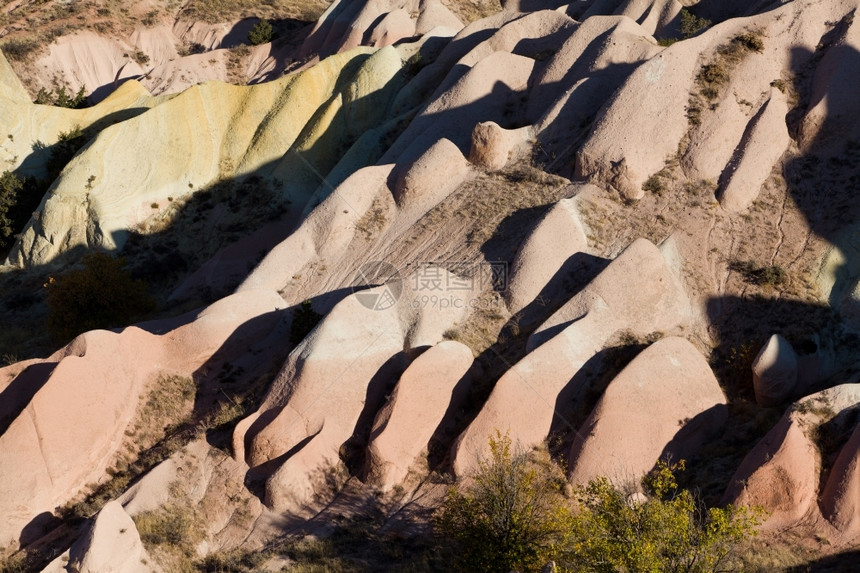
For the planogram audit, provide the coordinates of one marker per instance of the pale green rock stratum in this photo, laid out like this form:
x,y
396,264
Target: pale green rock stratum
x,y
210,132
28,130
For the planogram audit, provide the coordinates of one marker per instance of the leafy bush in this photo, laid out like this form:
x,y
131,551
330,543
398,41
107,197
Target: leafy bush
x,y
19,197
667,530
100,295
261,33
514,517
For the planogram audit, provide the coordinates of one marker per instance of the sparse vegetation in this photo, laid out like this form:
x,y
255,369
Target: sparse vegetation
x,y
19,49
170,534
715,75
373,221
172,525
62,98
235,561
770,275
102,294
655,184
151,18
15,563
158,430
140,57
225,10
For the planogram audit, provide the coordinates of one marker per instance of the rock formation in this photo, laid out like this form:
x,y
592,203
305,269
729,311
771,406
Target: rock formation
x,y
415,224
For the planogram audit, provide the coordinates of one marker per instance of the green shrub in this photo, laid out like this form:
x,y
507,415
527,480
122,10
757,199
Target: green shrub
x,y
18,199
691,24
100,295
68,144
514,517
666,530
10,186
62,98
261,33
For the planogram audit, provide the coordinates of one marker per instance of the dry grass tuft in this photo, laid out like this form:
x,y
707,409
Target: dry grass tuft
x,y
156,433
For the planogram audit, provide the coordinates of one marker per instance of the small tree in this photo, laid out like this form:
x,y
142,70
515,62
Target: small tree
x,y
62,98
261,33
10,186
100,295
692,24
514,516
305,318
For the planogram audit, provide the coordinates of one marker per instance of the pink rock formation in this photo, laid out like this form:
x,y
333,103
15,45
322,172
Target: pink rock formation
x,y
493,146
70,430
556,237
112,544
395,25
433,14
477,95
832,103
637,291
435,383
774,371
781,473
666,402
840,501
317,401
417,184
764,143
